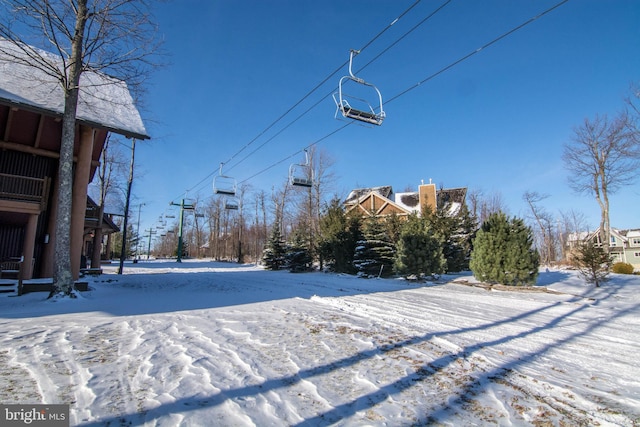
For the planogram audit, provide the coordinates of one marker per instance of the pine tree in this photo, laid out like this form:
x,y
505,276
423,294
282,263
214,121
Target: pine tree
x,y
374,254
503,252
594,263
298,257
338,237
419,250
456,230
273,255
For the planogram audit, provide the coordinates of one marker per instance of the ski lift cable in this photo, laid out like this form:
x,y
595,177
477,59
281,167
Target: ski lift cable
x,y
296,153
469,55
305,97
321,83
425,19
442,70
341,67
301,100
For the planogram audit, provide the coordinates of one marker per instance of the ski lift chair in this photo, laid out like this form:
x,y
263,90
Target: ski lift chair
x,y
367,114
224,185
301,175
231,203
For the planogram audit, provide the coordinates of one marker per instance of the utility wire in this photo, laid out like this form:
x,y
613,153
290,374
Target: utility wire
x,y
442,70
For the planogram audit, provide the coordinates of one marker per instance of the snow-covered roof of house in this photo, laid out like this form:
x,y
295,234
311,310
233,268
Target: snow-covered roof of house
x,y
358,193
104,102
408,200
455,196
631,233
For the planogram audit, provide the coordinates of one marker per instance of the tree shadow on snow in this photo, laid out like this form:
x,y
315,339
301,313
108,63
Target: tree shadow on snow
x,y
452,401
200,285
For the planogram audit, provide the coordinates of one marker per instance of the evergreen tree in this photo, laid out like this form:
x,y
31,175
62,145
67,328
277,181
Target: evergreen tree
x,y
462,238
393,225
594,263
456,231
338,237
374,254
273,255
132,239
503,252
419,250
298,257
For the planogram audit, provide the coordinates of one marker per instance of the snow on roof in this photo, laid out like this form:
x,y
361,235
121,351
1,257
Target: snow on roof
x,y
358,193
631,233
104,101
408,200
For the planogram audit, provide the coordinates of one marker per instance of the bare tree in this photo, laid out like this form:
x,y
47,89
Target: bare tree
x,y
108,171
482,206
544,230
279,200
115,37
603,157
307,202
570,228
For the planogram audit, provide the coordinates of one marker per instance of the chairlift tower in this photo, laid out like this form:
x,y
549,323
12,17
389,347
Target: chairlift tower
x,y
183,206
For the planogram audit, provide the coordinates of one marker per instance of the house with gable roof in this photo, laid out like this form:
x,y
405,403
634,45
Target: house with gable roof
x,y
623,247
31,109
382,202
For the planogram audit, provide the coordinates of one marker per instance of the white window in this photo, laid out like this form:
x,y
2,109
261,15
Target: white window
x,y
613,241
636,254
636,240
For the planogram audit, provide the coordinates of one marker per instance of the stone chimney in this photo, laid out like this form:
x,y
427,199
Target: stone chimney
x,y
427,196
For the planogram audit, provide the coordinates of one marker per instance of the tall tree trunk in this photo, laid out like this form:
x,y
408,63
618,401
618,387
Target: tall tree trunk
x,y
604,226
125,223
63,276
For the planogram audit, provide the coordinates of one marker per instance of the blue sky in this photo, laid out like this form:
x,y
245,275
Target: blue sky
x,y
496,122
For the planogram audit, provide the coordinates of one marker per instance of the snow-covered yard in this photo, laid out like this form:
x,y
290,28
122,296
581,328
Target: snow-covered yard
x,y
203,344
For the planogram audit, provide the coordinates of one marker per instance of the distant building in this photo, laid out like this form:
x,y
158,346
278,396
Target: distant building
x,y
623,247
31,107
382,202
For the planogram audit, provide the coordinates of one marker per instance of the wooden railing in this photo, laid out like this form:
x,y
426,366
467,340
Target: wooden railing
x,y
12,269
24,189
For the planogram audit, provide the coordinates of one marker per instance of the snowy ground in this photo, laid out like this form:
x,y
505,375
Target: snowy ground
x,y
217,344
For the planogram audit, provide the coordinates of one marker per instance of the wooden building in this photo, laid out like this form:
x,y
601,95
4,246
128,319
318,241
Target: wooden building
x,y
31,107
382,202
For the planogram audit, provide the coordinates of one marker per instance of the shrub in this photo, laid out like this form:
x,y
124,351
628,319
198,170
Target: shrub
x,y
419,250
503,252
593,263
622,268
373,255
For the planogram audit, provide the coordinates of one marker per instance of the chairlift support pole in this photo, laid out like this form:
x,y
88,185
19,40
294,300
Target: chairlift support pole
x,y
183,206
151,233
353,53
